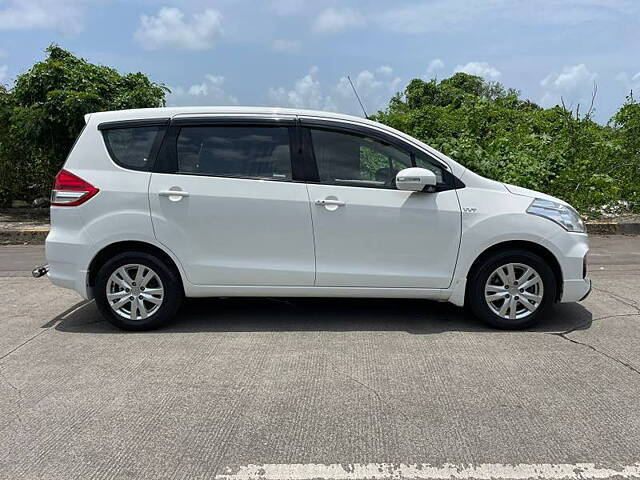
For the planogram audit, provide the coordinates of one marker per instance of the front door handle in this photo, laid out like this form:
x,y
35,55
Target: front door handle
x,y
329,201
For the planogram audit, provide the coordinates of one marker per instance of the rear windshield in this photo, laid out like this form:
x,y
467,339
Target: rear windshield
x,y
131,147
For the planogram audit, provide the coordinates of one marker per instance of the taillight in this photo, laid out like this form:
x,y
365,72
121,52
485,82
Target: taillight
x,y
70,190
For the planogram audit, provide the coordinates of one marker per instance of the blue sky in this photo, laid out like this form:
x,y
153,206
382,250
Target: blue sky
x,y
297,53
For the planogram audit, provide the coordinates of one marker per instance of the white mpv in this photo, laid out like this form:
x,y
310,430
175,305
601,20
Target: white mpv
x,y
155,205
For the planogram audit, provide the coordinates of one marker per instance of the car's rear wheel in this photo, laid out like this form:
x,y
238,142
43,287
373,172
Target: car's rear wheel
x,y
137,291
512,289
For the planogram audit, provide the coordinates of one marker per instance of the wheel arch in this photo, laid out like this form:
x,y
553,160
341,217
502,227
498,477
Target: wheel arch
x,y
532,247
116,248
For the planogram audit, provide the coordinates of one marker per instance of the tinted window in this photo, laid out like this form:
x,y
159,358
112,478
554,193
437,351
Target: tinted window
x,y
352,159
131,147
229,151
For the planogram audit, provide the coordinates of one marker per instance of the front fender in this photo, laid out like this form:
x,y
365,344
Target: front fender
x,y
493,217
485,233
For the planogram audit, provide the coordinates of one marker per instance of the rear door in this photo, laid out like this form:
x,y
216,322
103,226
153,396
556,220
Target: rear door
x,y
225,199
368,233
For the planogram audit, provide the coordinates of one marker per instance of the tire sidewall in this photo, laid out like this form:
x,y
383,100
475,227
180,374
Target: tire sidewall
x,y
172,291
478,304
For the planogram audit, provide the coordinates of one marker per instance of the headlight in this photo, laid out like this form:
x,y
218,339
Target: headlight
x,y
563,215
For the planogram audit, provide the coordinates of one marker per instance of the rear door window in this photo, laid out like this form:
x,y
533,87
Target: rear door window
x,y
260,152
132,147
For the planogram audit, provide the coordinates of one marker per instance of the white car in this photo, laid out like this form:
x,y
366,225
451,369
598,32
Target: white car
x,y
154,205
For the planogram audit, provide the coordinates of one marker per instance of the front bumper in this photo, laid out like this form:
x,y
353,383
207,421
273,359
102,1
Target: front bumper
x,y
588,291
576,290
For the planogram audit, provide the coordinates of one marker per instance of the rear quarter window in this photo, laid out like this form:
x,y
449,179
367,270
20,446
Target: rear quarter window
x,y
132,147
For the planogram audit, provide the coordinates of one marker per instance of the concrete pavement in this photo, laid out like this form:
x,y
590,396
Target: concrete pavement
x,y
278,388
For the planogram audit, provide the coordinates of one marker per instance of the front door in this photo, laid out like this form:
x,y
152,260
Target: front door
x,y
229,207
368,233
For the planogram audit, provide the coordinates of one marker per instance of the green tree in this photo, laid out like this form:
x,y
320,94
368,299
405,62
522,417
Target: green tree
x,y
491,130
41,116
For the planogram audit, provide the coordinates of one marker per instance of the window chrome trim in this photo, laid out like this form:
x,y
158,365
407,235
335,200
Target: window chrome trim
x,y
204,120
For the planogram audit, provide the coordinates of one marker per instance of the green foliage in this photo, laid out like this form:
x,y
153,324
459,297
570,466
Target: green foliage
x,y
497,134
41,116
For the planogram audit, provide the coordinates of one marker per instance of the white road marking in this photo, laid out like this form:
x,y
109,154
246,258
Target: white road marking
x,y
413,471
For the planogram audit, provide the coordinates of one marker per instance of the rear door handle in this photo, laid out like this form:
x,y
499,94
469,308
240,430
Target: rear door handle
x,y
338,203
173,193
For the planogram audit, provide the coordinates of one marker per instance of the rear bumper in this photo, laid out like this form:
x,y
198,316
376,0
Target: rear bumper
x,y
68,249
67,268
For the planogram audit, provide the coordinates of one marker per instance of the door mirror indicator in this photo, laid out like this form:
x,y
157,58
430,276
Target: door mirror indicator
x,y
416,179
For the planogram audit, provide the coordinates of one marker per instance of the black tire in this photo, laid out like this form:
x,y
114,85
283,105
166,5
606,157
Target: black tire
x,y
476,288
171,284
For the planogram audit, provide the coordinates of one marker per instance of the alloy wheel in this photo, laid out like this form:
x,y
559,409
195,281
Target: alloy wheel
x,y
135,292
514,291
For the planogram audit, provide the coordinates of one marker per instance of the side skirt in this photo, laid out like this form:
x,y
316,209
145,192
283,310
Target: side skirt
x,y
311,291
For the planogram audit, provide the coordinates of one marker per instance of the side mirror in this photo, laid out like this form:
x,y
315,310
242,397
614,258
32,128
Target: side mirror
x,y
416,179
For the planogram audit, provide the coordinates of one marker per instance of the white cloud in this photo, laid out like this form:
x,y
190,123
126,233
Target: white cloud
x,y
573,85
570,78
481,69
284,45
199,89
3,73
334,20
629,82
384,70
305,93
65,16
434,65
210,91
170,28
374,89
365,82
395,85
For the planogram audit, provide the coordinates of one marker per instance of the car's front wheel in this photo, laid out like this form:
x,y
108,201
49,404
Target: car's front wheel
x,y
512,289
137,291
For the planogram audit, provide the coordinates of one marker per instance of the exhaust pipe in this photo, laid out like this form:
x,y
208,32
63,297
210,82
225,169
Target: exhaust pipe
x,y
40,271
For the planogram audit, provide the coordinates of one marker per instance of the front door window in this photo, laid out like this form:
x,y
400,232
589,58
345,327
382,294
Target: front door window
x,y
357,160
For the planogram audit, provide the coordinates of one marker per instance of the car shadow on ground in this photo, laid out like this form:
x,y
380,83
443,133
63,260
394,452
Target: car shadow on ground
x,y
326,314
